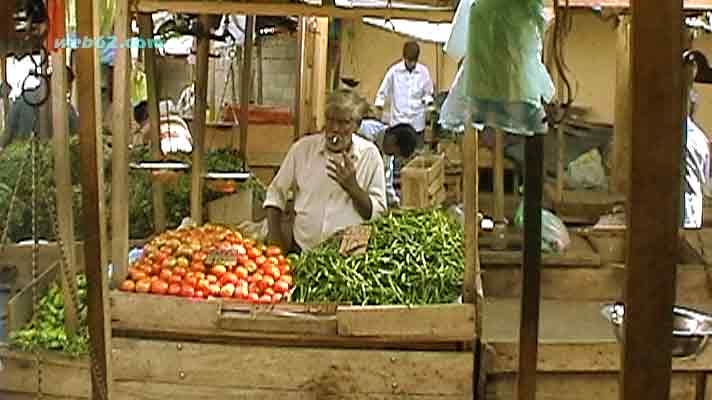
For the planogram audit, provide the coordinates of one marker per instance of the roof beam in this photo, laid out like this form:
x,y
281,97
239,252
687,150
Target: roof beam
x,y
281,9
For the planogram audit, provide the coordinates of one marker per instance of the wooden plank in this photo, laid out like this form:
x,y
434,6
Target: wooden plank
x,y
593,284
18,374
583,387
444,14
145,24
245,79
92,196
141,390
66,380
300,88
499,257
499,176
146,311
452,321
319,76
64,192
359,371
198,125
121,108
620,173
531,268
31,396
657,109
470,189
20,308
300,324
6,97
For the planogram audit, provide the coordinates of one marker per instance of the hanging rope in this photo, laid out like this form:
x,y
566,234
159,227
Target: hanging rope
x,y
562,27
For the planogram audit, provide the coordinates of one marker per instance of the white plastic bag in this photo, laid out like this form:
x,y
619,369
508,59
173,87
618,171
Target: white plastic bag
x,y
554,235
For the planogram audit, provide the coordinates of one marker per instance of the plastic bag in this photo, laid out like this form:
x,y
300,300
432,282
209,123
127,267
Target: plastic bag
x,y
554,235
586,172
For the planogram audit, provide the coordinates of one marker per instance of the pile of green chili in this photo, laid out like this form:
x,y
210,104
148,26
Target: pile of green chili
x,y
413,257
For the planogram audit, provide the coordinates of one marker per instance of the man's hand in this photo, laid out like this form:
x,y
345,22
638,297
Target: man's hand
x,y
344,173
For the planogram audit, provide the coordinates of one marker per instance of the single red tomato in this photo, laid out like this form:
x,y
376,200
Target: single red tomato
x,y
272,270
281,260
239,249
251,266
204,285
273,251
256,277
277,297
265,299
253,297
128,286
174,289
253,287
228,278
241,272
169,262
260,260
265,283
180,271
143,286
154,278
218,270
187,291
159,287
182,262
138,275
286,278
281,286
242,259
166,275
199,294
253,253
272,261
199,256
227,290
175,279
190,281
269,291
200,275
212,278
242,289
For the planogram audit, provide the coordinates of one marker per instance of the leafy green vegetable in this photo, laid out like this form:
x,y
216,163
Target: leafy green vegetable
x,y
413,257
46,330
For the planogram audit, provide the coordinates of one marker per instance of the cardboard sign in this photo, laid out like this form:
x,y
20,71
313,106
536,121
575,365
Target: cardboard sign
x,y
355,240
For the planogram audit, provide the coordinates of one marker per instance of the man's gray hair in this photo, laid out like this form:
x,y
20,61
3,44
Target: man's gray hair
x,y
345,101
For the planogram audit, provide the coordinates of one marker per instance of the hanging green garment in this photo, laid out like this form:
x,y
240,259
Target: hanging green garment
x,y
506,80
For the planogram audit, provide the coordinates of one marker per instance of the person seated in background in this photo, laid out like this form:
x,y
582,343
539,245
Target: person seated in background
x,y
398,141
174,131
26,115
697,169
336,177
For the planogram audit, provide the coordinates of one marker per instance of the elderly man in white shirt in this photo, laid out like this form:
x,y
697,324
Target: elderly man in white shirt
x,y
337,179
408,87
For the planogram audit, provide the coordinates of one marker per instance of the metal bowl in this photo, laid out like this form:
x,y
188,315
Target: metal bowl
x,y
691,328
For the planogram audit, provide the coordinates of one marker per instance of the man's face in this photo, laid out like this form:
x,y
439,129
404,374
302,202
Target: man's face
x,y
390,147
340,125
410,64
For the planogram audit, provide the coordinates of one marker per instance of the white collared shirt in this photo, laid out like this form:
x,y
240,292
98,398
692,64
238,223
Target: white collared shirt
x,y
408,93
322,207
374,131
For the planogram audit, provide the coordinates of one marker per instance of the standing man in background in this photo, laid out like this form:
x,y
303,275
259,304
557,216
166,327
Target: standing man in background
x,y
409,88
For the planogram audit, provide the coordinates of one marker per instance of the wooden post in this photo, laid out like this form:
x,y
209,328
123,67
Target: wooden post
x,y
531,267
145,25
498,174
94,249
5,98
319,79
560,169
472,291
653,197
623,113
198,128
300,90
121,108
245,78
63,186
260,72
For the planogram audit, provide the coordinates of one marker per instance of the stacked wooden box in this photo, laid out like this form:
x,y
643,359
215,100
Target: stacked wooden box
x,y
452,151
423,182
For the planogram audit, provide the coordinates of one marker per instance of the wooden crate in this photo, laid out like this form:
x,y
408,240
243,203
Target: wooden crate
x,y
423,182
453,185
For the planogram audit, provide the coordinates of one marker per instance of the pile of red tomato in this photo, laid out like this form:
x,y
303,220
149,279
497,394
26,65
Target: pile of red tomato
x,y
177,263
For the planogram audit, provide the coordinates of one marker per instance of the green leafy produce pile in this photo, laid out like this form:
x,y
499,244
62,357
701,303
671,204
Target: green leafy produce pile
x,y
413,257
46,330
